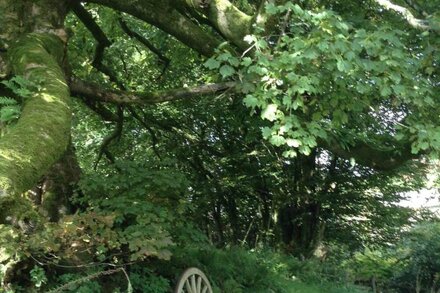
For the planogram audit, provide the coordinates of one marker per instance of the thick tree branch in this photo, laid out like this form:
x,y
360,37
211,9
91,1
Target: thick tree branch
x,y
364,154
164,16
416,7
406,13
102,41
90,23
232,23
101,110
42,133
96,92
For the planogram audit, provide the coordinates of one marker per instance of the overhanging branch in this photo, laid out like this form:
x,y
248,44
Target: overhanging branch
x,y
416,7
102,41
163,15
406,13
232,23
366,155
96,92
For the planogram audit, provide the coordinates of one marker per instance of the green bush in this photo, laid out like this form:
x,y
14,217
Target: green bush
x,y
238,270
419,251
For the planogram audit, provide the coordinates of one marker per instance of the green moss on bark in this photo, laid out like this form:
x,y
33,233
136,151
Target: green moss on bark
x,y
41,135
163,15
233,23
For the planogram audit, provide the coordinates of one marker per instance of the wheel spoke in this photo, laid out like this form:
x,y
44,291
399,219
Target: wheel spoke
x,y
199,284
193,284
188,287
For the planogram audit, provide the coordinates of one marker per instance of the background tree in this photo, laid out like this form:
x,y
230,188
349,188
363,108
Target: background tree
x,y
267,123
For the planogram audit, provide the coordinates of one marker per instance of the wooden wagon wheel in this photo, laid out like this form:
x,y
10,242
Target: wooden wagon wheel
x,y
193,280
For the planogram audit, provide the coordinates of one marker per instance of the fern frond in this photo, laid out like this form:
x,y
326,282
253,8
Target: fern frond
x,y
5,101
9,113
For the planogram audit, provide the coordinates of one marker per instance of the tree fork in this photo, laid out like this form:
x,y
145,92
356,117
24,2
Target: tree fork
x,y
102,42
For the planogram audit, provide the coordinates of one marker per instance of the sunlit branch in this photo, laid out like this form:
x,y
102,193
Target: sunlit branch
x,y
231,22
416,7
96,92
406,13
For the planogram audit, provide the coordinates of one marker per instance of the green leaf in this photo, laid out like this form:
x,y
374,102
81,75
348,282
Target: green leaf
x,y
305,150
287,101
212,63
267,132
385,91
343,65
227,70
246,61
271,8
424,145
247,87
270,112
289,154
277,140
250,101
293,142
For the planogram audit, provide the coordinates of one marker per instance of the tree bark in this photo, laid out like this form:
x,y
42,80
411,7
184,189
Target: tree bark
x,y
54,192
95,92
166,17
35,40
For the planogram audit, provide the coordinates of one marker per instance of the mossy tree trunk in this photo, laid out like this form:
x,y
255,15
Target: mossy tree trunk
x,y
31,33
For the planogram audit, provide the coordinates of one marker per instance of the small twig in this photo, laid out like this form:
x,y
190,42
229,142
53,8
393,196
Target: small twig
x,y
284,25
91,277
148,128
100,109
247,232
247,50
132,34
116,134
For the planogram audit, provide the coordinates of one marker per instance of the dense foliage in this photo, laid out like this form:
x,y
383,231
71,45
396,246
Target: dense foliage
x,y
269,143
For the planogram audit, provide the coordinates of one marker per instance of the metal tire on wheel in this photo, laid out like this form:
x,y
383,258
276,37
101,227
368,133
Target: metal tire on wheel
x,y
193,280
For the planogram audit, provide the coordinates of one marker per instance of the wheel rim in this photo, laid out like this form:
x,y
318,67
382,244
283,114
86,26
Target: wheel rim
x,y
193,280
